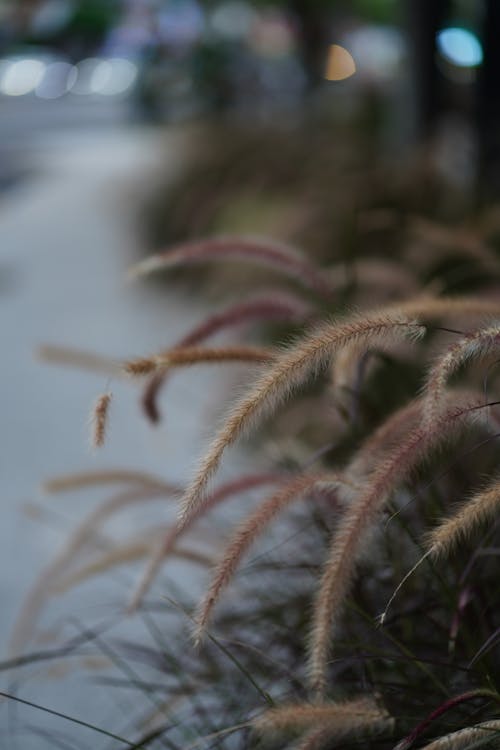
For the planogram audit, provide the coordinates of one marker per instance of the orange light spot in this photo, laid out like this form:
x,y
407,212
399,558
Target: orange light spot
x,y
339,64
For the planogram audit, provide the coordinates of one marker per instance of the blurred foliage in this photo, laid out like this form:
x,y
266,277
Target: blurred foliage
x,y
94,16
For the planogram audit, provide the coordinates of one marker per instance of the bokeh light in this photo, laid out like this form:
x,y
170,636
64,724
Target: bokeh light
x,y
57,80
21,77
460,47
113,77
233,19
378,52
340,63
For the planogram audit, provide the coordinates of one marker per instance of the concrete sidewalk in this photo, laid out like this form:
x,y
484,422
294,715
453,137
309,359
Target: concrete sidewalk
x,y
67,237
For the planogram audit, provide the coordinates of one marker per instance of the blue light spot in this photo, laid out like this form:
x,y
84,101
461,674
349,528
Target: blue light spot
x,y
460,47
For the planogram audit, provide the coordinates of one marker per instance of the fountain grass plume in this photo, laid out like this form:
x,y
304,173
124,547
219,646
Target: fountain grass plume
x,y
449,240
253,526
391,431
100,419
130,551
161,551
427,307
481,507
292,368
479,734
273,305
311,354
356,526
268,253
82,360
485,694
375,465
196,355
86,530
389,277
80,480
476,345
269,306
397,426
353,718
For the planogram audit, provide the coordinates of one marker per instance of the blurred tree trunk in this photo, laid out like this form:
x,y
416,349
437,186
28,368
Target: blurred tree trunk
x,y
488,103
424,18
314,36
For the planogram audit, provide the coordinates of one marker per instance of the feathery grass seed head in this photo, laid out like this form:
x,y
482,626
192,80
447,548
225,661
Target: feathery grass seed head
x,y
468,737
357,525
289,371
275,255
477,344
265,307
188,356
225,492
481,507
100,416
348,718
251,528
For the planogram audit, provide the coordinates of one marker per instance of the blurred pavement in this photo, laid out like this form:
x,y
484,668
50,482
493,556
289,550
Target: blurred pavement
x,y
68,234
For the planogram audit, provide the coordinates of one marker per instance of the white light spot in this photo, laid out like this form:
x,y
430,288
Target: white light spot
x,y
378,51
100,77
84,73
21,77
58,79
233,20
113,77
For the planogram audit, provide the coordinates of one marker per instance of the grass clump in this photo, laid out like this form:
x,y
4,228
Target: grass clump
x,y
367,614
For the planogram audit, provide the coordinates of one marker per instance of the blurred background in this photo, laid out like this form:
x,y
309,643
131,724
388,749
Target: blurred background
x,y
127,125
74,64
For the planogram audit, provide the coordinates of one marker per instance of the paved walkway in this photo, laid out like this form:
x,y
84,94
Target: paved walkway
x,y
66,239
